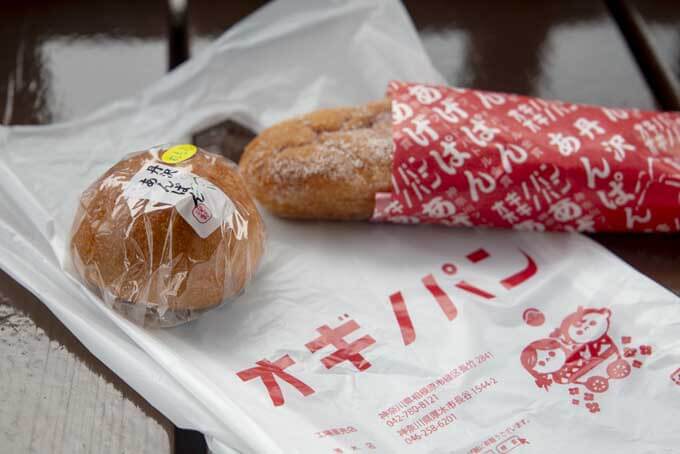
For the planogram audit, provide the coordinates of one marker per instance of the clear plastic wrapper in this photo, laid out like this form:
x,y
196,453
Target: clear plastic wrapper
x,y
167,234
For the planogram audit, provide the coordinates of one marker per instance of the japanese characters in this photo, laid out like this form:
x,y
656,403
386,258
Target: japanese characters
x,y
332,338
472,158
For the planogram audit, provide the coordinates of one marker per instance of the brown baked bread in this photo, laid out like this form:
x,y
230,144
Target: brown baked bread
x,y
325,165
142,256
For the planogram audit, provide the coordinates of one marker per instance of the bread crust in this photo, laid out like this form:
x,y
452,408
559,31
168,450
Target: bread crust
x,y
153,258
328,164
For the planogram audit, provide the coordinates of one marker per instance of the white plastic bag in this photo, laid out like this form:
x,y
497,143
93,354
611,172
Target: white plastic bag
x,y
416,304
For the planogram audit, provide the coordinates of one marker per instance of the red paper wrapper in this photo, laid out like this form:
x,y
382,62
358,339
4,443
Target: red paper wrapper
x,y
474,158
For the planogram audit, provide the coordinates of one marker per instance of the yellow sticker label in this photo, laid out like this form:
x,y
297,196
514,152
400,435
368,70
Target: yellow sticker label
x,y
178,153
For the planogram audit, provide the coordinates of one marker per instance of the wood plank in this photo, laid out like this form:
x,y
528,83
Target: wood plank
x,y
566,50
656,26
60,60
56,397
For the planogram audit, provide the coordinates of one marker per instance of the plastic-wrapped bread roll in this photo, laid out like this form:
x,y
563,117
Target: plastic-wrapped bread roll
x,y
166,234
325,165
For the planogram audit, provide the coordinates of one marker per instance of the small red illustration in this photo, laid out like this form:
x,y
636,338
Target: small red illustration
x,y
202,213
580,353
533,317
675,376
593,407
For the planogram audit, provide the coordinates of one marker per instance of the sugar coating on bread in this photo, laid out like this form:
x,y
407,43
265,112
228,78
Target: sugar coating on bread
x,y
146,259
328,164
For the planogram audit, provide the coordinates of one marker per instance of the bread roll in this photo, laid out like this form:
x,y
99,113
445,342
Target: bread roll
x,y
325,165
132,243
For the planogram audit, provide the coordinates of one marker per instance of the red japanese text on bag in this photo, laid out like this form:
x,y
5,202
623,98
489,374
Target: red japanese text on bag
x,y
470,342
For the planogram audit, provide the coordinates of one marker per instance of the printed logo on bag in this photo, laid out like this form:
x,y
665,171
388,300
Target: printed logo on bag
x,y
582,356
332,339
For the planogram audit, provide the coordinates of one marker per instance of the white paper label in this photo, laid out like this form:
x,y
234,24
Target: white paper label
x,y
202,204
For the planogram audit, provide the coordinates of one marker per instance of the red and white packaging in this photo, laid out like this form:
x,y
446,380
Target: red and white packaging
x,y
480,342
474,158
353,337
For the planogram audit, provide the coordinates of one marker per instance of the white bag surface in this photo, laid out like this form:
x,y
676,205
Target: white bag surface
x,y
444,334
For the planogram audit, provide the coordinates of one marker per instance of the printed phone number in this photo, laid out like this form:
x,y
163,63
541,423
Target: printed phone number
x,y
442,417
412,410
432,428
413,403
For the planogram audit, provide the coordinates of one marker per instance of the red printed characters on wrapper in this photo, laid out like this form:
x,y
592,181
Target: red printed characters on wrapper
x,y
472,158
580,353
444,300
268,372
271,373
344,351
333,349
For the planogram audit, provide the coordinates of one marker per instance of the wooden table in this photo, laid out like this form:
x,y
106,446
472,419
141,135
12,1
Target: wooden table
x,y
54,395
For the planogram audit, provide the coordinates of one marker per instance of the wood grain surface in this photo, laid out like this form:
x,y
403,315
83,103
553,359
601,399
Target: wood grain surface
x,y
659,23
56,397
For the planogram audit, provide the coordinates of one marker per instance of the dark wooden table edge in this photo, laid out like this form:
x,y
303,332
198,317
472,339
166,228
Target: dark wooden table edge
x,y
658,76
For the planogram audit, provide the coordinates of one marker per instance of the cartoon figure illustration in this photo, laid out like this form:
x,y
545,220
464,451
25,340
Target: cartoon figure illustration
x,y
545,360
586,334
580,352
588,327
